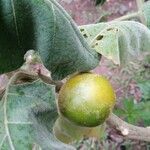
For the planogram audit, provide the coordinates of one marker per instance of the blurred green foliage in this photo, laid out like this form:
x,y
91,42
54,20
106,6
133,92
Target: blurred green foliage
x,y
145,89
135,113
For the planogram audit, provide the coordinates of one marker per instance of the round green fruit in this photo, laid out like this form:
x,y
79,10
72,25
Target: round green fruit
x,y
86,99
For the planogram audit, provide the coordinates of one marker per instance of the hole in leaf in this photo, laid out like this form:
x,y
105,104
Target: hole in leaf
x,y
99,37
85,35
109,29
81,30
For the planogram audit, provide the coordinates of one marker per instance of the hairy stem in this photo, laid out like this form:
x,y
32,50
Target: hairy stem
x,y
127,130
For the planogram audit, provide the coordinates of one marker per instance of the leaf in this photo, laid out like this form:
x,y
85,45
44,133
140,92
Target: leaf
x,y
128,104
122,42
129,111
90,31
134,113
120,112
145,11
145,89
44,26
28,112
144,111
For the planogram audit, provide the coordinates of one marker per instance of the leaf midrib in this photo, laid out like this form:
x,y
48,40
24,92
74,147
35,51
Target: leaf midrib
x,y
15,20
6,121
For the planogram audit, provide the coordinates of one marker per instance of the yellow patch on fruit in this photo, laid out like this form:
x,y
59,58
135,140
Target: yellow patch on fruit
x,y
86,99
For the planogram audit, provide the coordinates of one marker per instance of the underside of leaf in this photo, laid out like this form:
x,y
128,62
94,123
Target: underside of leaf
x,y
28,112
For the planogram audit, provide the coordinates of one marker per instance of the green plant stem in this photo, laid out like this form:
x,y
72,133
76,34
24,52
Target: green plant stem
x,y
129,16
139,4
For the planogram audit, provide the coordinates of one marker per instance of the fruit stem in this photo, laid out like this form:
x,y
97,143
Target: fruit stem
x,y
129,16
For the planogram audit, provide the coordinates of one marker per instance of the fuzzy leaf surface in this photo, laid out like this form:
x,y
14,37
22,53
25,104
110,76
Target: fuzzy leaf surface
x,y
44,26
28,112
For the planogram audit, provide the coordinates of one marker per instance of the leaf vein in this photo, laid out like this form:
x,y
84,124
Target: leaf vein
x,y
54,31
14,94
3,141
20,123
15,20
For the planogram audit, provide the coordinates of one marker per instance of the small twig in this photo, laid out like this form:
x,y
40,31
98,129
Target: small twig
x,y
137,15
127,130
128,16
139,6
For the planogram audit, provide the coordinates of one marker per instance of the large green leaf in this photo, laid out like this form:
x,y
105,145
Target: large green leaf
x,y
42,25
121,41
28,112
